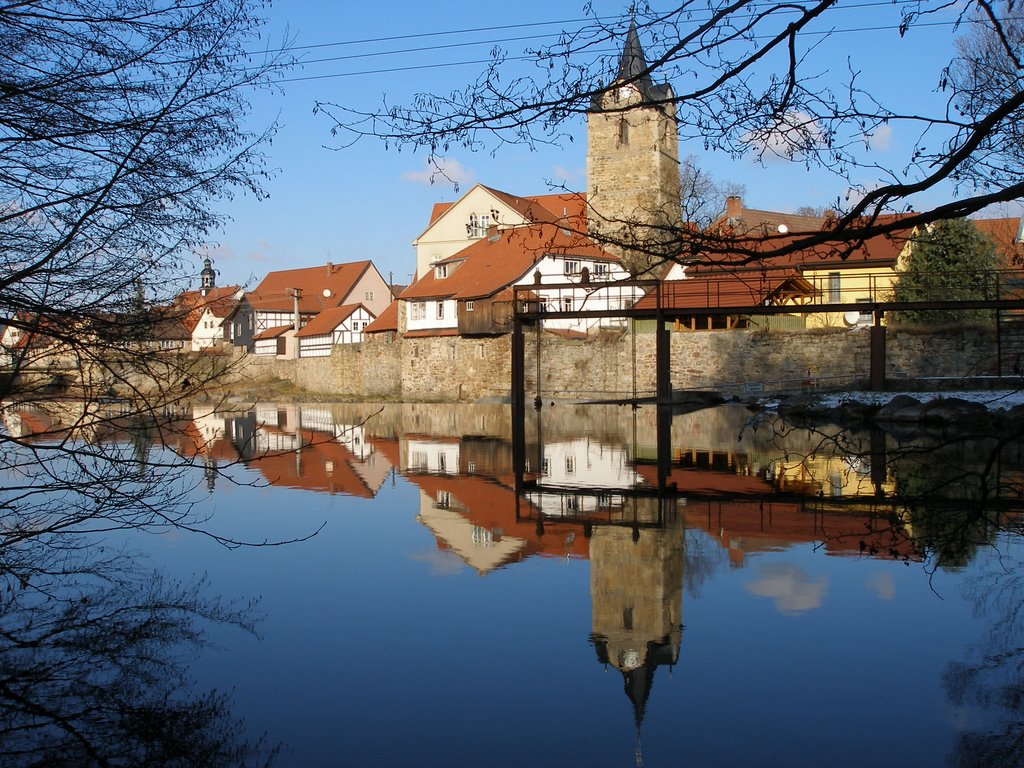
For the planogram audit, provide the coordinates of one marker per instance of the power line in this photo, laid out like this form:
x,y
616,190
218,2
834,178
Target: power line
x,y
415,67
527,25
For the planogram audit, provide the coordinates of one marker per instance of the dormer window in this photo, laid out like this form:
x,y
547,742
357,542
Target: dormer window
x,y
477,226
440,271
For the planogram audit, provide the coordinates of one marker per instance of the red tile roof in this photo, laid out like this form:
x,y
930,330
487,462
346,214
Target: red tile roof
x,y
327,320
272,333
488,265
321,287
1005,233
879,251
725,289
570,207
220,301
386,320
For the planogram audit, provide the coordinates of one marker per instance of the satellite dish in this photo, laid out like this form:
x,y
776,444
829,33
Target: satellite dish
x,y
852,317
327,293
783,229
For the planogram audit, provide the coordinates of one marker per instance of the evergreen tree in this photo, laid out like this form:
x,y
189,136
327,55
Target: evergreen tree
x,y
952,261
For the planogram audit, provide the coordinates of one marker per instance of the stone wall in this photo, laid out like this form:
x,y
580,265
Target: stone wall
x,y
452,368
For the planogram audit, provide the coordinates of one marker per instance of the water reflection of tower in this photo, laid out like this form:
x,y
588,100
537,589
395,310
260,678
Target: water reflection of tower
x,y
636,589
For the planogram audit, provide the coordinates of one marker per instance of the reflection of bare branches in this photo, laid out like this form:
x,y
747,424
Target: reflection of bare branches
x,y
951,487
123,473
92,668
993,678
703,558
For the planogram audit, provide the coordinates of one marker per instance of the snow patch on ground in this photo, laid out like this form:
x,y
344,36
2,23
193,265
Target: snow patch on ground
x,y
994,400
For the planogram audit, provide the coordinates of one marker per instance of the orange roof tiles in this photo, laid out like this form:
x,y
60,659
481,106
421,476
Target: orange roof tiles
x,y
725,289
326,321
272,333
494,262
219,301
386,320
274,293
1005,233
568,207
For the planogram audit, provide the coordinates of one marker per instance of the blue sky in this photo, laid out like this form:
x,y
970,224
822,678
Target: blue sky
x,y
328,203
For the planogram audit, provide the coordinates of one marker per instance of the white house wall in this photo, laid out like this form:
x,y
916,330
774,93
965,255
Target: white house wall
x,y
350,331
208,332
592,297
428,320
265,320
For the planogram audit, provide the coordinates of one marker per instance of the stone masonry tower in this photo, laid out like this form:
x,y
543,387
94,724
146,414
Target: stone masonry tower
x,y
633,164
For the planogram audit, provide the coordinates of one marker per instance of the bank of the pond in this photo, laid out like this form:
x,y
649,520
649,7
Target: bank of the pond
x,y
740,364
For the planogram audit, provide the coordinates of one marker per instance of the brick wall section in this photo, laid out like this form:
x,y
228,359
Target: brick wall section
x,y
460,369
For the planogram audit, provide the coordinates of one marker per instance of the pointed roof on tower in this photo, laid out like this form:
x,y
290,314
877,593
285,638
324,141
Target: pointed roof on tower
x,y
634,69
633,64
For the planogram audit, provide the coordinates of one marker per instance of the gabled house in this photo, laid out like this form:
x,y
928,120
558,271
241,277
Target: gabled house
x,y
204,312
849,273
470,293
267,319
455,226
725,289
338,325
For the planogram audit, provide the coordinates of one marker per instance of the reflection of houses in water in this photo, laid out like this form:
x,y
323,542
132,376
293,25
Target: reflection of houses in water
x,y
465,504
636,592
430,454
302,447
583,478
814,473
749,513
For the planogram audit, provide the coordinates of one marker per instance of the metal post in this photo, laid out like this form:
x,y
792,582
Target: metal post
x,y
518,396
878,354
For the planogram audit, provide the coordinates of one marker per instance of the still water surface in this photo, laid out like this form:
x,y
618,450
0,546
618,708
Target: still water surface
x,y
776,610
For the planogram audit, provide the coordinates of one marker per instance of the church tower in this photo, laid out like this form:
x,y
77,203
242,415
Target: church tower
x,y
633,191
207,278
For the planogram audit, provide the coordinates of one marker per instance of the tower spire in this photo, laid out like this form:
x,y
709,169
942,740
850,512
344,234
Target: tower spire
x,y
633,64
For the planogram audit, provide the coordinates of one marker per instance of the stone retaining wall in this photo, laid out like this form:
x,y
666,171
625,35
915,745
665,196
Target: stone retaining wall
x,y
459,369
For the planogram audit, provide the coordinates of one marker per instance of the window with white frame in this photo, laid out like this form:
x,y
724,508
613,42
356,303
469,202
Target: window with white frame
x,y
440,271
571,267
567,303
470,306
418,310
478,225
600,268
440,310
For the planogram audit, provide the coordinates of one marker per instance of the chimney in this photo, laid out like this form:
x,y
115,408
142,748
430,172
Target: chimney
x,y
734,207
330,269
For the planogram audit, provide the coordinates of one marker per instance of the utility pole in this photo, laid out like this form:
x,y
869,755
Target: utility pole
x,y
296,294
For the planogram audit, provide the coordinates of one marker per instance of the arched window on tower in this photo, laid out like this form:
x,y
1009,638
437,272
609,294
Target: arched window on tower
x,y
623,131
